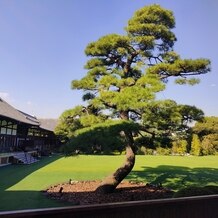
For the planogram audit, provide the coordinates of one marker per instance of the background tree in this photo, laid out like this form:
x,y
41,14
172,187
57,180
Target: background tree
x,y
124,73
179,147
208,125
196,145
207,130
76,118
165,122
209,144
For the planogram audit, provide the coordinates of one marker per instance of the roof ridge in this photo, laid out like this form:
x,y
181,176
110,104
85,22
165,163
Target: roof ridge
x,y
9,111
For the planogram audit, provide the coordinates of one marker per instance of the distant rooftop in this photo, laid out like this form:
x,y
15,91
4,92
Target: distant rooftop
x,y
9,111
6,110
48,124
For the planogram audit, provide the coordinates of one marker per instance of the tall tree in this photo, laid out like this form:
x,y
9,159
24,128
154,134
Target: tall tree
x,y
166,121
195,145
209,125
179,147
124,73
207,129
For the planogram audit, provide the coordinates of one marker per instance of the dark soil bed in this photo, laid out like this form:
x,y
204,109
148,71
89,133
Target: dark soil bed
x,y
83,192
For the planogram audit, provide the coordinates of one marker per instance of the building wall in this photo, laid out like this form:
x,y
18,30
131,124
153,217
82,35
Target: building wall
x,y
16,136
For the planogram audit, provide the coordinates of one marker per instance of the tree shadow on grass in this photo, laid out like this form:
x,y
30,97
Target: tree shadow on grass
x,y
22,199
175,177
12,174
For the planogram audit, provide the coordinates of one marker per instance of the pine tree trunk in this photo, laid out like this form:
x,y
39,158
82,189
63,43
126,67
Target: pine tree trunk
x,y
110,183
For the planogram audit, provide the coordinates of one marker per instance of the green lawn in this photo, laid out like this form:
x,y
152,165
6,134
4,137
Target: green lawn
x,y
20,185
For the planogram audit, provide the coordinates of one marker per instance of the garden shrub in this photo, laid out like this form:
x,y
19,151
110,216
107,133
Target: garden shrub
x,y
163,151
145,151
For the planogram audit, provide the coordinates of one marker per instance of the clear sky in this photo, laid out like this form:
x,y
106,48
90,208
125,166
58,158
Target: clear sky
x,y
42,46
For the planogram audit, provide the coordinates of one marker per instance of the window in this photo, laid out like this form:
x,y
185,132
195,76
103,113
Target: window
x,y
3,130
9,131
8,128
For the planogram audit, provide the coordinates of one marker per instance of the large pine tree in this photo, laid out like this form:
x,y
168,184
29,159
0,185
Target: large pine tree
x,y
124,73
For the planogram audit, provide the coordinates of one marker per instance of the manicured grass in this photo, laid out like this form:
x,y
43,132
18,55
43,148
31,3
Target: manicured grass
x,y
176,172
20,185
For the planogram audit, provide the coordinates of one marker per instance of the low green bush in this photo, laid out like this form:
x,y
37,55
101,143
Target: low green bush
x,y
163,151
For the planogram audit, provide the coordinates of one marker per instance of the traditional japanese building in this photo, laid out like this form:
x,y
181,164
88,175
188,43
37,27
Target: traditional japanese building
x,y
22,132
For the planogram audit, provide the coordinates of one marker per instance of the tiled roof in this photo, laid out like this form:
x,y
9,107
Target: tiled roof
x,y
48,124
7,110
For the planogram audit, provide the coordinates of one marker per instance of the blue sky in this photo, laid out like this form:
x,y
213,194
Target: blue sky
x,y
42,46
